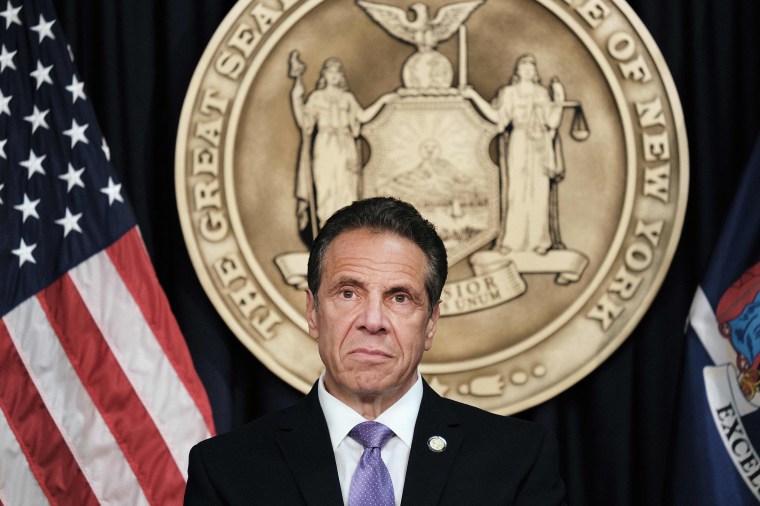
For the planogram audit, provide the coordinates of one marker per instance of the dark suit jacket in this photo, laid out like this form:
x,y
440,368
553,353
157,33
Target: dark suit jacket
x,y
285,458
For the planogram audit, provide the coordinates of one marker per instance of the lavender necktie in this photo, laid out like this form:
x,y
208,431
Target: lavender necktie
x,y
371,484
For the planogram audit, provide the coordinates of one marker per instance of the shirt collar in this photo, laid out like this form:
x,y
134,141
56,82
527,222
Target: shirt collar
x,y
400,417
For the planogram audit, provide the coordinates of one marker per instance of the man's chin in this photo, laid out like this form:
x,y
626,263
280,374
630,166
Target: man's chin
x,y
377,383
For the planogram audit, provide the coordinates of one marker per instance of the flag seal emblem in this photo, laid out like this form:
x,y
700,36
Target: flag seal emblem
x,y
731,337
739,322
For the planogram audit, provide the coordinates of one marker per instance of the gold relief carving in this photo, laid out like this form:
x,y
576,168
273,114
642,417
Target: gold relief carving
x,y
544,138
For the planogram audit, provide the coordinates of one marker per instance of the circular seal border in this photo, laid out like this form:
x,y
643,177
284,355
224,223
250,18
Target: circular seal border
x,y
183,197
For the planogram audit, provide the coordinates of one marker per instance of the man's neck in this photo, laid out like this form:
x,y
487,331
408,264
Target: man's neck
x,y
369,405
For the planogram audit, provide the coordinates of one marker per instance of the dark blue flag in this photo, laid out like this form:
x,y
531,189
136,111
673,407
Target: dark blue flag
x,y
718,430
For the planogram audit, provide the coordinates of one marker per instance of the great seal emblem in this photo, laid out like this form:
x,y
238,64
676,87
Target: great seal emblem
x,y
560,199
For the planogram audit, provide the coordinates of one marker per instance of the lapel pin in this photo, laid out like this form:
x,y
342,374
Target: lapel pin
x,y
437,444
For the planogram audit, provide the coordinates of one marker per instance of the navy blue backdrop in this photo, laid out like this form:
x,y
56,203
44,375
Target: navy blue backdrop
x,y
616,426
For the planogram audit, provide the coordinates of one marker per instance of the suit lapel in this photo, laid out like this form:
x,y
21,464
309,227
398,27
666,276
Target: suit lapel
x,y
428,471
305,442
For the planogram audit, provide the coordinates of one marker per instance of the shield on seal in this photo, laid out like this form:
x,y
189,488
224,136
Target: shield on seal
x,y
433,151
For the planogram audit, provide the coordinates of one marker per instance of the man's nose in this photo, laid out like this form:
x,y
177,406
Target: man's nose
x,y
372,318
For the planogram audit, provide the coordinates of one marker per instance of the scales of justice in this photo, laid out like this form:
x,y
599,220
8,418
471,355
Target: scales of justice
x,y
430,145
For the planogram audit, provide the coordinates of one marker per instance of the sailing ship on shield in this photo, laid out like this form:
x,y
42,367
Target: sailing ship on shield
x,y
430,145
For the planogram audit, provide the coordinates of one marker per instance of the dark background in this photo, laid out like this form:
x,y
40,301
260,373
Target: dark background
x,y
615,426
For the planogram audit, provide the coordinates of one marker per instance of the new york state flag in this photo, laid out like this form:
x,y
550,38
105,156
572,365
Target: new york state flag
x,y
718,429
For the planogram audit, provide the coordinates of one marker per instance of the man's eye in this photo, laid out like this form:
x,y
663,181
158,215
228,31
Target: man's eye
x,y
400,297
347,294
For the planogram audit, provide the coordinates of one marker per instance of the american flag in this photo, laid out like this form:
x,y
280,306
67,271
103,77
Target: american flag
x,y
99,401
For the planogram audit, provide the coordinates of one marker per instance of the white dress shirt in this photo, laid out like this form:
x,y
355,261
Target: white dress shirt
x,y
400,418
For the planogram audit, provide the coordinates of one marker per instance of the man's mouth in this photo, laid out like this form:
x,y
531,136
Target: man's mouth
x,y
370,354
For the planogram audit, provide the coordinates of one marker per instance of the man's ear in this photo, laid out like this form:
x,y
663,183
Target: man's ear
x,y
432,324
311,314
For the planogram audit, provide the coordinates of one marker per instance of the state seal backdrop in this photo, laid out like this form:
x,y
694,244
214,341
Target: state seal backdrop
x,y
543,138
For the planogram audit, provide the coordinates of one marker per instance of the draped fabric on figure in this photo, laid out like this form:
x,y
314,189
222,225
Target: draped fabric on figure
x,y
334,157
526,106
330,119
330,122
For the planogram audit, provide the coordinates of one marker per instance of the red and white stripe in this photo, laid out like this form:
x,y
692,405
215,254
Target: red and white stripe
x,y
98,396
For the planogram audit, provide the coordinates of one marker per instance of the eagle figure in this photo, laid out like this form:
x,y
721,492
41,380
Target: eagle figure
x,y
422,32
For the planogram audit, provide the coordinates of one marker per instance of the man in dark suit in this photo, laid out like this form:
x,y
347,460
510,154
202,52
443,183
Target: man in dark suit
x,y
371,431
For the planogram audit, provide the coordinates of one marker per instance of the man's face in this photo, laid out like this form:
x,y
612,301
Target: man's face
x,y
372,322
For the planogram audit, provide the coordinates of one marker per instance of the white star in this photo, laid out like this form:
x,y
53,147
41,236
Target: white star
x,y
73,178
76,132
28,208
34,164
43,29
113,191
1,187
4,101
24,253
6,59
42,74
2,148
70,222
11,15
77,89
37,118
106,149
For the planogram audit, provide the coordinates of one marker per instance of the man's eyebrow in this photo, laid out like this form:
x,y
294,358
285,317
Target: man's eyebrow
x,y
400,288
347,280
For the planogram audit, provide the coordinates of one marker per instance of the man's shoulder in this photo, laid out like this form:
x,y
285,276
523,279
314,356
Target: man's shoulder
x,y
254,434
477,442
223,469
493,425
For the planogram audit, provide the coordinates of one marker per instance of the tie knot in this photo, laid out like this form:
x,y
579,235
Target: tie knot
x,y
371,434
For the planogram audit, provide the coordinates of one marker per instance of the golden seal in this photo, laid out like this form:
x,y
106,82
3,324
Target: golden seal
x,y
543,138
